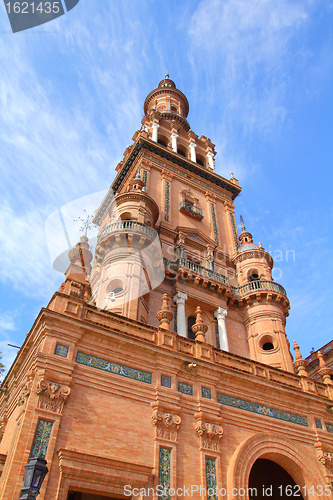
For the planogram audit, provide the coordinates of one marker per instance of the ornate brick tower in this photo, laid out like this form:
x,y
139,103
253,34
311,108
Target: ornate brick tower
x,y
167,190
164,370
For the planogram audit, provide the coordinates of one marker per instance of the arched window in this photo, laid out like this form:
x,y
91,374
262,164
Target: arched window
x,y
181,151
254,275
162,140
201,161
190,322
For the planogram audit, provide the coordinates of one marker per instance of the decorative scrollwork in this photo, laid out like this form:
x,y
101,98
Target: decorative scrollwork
x,y
52,396
210,434
166,424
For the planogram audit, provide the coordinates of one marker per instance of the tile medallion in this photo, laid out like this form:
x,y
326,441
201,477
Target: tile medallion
x,y
185,388
61,350
165,381
164,472
211,479
41,439
109,366
206,392
262,410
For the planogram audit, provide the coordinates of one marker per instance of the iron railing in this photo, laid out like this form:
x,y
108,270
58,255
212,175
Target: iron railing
x,y
190,208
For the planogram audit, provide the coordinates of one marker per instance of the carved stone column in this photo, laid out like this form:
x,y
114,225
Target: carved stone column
x,y
192,147
210,157
179,299
220,315
155,127
174,138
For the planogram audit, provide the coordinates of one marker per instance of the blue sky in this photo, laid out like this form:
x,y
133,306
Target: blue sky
x,y
258,75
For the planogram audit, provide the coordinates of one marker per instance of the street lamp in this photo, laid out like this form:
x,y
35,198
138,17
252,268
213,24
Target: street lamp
x,y
35,472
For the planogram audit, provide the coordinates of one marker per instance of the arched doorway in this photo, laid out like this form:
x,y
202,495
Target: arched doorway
x,y
298,460
269,480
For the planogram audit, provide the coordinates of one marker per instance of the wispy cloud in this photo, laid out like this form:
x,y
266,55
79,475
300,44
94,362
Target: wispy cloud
x,y
250,53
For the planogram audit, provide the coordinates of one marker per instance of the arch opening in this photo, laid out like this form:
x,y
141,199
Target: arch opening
x,y
270,480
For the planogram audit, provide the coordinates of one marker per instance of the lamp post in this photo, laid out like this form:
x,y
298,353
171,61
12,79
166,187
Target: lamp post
x,y
35,472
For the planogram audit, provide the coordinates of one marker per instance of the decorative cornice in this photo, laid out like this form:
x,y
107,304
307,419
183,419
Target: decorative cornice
x,y
158,149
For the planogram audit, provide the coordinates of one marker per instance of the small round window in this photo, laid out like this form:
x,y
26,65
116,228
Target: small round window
x,y
267,343
117,290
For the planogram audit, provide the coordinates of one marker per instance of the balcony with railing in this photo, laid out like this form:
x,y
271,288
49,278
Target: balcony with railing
x,y
257,285
188,208
128,226
196,268
237,291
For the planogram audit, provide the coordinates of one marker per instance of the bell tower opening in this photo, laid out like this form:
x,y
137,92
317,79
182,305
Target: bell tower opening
x,y
270,480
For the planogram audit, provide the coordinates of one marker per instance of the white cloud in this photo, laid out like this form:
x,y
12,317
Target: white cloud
x,y
6,323
257,47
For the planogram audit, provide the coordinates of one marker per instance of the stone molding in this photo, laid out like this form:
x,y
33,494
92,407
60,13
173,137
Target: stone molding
x,y
52,396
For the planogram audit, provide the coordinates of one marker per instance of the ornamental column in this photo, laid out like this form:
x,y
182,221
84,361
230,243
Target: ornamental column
x,y
192,149
174,137
220,315
155,126
179,299
210,157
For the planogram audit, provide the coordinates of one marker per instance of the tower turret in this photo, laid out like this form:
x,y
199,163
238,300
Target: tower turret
x,y
266,303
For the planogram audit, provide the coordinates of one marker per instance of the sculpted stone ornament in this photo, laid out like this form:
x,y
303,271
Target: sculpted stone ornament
x,y
52,396
3,423
166,424
210,434
25,393
326,458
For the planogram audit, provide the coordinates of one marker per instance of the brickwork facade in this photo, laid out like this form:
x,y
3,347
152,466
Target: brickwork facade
x,y
170,365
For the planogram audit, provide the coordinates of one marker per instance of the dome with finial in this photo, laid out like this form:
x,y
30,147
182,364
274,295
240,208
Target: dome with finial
x,y
245,239
80,255
167,98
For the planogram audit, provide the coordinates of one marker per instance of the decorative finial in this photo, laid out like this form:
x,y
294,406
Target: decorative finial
x,y
167,75
86,222
324,371
242,221
199,328
165,316
298,354
300,363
